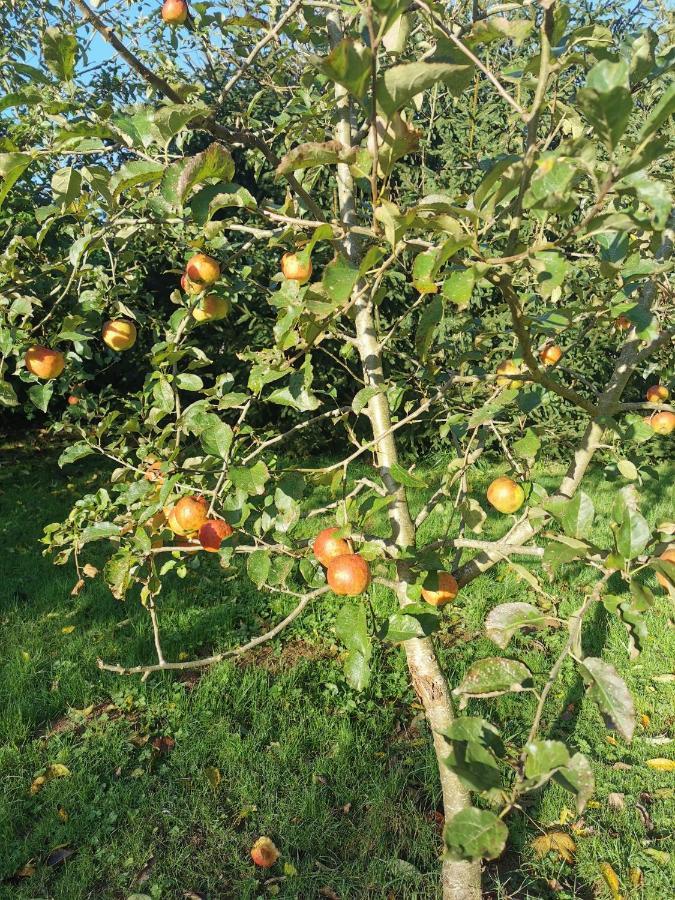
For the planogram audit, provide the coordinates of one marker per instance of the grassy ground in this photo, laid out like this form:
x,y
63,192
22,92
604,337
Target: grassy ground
x,y
344,783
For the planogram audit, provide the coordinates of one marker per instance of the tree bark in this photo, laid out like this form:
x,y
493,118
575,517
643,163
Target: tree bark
x,y
460,880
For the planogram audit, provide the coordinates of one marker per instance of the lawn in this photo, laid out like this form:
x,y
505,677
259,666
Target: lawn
x,y
171,780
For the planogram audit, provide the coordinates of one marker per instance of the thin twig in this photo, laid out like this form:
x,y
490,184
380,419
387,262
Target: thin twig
x,y
262,43
217,657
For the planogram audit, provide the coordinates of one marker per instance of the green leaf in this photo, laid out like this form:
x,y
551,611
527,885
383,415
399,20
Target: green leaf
x,y
474,834
41,394
609,691
527,446
347,64
473,729
185,381
307,156
117,572
252,480
133,173
402,476
654,194
59,50
8,395
363,397
660,114
99,531
606,101
633,534
577,516
504,620
12,167
628,469
564,550
216,438
163,395
474,765
351,627
399,84
66,185
75,255
491,677
413,621
642,55
357,670
258,566
424,271
339,278
428,323
74,452
551,268
497,28
222,195
458,287
542,758
577,778
296,395
181,177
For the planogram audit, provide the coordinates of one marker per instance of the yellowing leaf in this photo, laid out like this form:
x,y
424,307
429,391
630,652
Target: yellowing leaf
x,y
659,856
662,765
635,876
566,815
555,842
611,880
26,871
290,870
62,813
25,656
644,721
213,776
56,770
69,629
611,740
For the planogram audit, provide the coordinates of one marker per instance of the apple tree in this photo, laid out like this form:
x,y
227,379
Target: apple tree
x,y
223,231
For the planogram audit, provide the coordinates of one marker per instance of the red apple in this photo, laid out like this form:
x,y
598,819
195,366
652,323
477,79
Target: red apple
x,y
202,269
348,575
657,393
189,514
551,355
327,546
212,533
174,12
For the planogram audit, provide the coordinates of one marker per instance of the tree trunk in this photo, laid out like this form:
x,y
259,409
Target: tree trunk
x,y
460,880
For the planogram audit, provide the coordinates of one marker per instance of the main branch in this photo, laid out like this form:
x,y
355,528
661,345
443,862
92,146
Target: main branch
x,y
461,880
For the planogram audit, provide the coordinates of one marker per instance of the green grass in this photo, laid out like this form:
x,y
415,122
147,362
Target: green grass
x,y
344,783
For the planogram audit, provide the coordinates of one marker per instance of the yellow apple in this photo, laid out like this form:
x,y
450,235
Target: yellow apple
x,y
119,334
